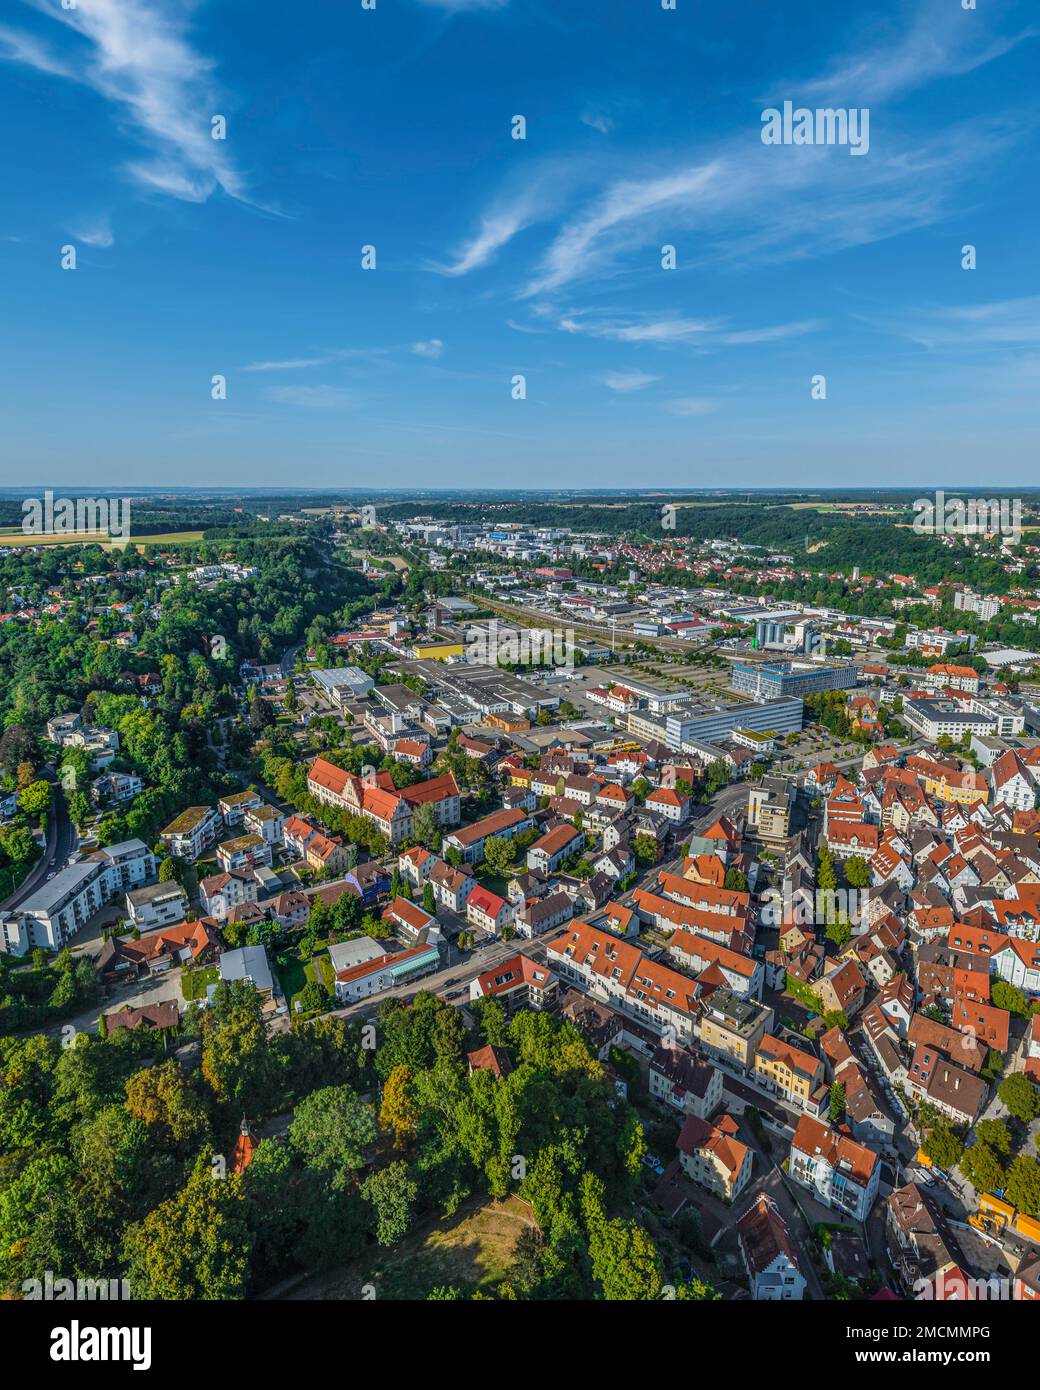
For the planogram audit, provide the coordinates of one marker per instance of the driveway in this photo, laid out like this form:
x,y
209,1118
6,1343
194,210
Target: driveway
x,y
155,989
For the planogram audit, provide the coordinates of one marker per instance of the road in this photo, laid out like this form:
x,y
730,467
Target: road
x,y
61,840
288,660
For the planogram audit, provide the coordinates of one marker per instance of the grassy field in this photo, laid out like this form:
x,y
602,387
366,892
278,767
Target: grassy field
x,y
398,561
14,535
470,1250
195,982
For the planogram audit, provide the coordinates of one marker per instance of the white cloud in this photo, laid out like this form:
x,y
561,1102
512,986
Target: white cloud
x,y
140,58
739,202
694,405
497,228
664,331
314,397
574,252
941,42
597,121
97,233
434,349
25,48
628,381
1004,323
291,364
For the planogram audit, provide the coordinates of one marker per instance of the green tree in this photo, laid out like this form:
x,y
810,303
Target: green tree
x,y
1023,1185
392,1193
195,1245
35,798
331,1130
996,1134
397,1114
498,853
1020,1097
982,1168
837,1102
857,872
943,1147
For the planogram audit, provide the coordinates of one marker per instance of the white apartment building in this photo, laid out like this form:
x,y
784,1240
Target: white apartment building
x,y
839,1172
53,914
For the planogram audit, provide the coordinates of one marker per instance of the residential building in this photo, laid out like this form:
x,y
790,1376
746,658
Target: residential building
x,y
840,1172
684,1080
713,1157
157,905
488,911
519,983
768,1253
731,1028
57,909
469,841
791,1073
192,832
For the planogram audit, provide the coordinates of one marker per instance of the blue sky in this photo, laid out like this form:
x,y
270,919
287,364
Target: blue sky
x,y
498,257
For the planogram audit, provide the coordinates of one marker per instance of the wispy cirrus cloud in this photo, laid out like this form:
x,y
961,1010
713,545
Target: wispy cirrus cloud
x,y
624,203
625,382
936,40
288,364
596,120
738,202
139,56
1005,323
96,233
691,406
497,228
323,397
666,330
19,47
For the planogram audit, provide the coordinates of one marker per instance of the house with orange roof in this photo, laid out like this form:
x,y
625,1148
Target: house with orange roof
x,y
488,911
670,803
493,1059
469,840
743,975
327,852
551,849
848,838
839,1171
768,1253
792,1073
416,865
983,1021
188,943
519,983
706,897
711,1155
842,987
704,868
1018,962
408,919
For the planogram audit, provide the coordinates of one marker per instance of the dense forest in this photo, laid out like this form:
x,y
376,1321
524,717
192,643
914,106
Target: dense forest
x,y
116,1153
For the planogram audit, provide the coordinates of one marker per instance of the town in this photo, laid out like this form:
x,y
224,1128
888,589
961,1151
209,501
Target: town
x,y
657,931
